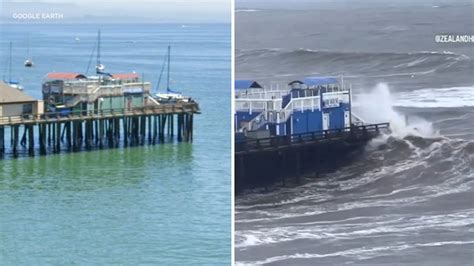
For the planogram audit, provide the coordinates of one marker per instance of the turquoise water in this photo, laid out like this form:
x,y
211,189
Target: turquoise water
x,y
165,204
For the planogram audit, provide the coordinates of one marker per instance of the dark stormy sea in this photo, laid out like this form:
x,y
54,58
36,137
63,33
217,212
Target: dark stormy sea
x,y
409,198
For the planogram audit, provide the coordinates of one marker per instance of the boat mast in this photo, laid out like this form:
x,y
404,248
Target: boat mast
x,y
28,47
168,81
10,65
91,58
98,54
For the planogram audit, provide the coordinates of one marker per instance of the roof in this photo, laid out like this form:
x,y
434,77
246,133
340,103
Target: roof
x,y
125,76
296,82
244,84
65,76
8,94
317,81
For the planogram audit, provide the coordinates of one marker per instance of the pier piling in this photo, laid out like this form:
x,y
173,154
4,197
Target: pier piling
x,y
263,162
81,131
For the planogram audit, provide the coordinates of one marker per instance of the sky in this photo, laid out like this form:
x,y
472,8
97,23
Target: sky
x,y
123,10
305,4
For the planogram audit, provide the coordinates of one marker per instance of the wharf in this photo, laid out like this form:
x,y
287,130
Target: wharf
x,y
55,132
264,162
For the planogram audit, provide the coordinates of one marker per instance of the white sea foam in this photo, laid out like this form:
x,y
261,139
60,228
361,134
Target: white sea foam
x,y
249,240
377,106
436,98
352,229
412,63
358,253
246,10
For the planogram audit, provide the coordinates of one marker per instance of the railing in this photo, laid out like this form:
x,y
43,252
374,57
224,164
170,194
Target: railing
x,y
267,117
103,91
357,120
272,88
253,145
258,121
275,114
79,88
71,115
94,95
146,86
86,87
272,94
305,103
257,105
276,104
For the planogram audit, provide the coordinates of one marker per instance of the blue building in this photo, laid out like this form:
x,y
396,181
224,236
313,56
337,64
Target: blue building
x,y
302,106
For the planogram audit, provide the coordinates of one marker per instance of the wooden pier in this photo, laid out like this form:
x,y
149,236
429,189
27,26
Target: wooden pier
x,y
264,162
56,132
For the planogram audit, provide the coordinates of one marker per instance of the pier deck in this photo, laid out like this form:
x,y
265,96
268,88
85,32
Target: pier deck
x,y
263,162
177,108
110,128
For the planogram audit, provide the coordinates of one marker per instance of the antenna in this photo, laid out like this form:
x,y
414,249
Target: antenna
x,y
169,55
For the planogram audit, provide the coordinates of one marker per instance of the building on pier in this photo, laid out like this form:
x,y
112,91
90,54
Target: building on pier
x,y
304,128
14,102
302,106
75,92
82,112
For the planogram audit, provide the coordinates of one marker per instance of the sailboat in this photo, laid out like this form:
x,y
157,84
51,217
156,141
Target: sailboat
x,y
170,95
99,67
12,83
28,61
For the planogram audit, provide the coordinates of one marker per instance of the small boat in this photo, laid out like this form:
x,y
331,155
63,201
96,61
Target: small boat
x,y
28,61
100,68
12,83
170,96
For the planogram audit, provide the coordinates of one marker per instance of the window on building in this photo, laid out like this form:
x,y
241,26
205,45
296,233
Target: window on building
x,y
27,108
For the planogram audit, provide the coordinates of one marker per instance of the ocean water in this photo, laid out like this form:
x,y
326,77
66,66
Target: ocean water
x,y
409,198
158,205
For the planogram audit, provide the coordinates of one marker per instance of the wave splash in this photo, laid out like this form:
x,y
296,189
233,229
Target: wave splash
x,y
377,106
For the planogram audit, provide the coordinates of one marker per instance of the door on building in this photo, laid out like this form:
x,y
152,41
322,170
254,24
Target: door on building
x,y
325,121
84,108
347,120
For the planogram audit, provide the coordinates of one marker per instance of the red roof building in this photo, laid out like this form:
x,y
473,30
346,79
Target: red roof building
x,y
64,76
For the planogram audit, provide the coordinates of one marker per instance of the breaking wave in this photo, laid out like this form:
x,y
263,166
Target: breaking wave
x,y
437,98
407,172
356,63
410,168
377,106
